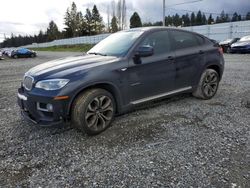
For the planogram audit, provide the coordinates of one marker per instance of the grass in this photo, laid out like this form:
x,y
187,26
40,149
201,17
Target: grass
x,y
66,48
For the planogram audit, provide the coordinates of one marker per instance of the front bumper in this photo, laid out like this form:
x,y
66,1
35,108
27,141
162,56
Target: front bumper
x,y
32,113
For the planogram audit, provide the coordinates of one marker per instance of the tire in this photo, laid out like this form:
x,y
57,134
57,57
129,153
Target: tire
x,y
32,55
208,85
93,111
228,50
15,56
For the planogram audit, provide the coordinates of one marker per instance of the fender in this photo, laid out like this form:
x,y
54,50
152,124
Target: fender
x,y
115,92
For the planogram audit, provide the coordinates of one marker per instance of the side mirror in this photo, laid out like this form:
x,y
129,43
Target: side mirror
x,y
143,51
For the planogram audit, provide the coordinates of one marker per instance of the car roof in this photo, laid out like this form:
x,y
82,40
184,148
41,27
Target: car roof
x,y
152,28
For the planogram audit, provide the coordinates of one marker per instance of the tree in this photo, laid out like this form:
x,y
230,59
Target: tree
x,y
73,21
135,20
248,16
114,26
199,18
210,19
218,20
186,20
168,20
235,17
88,18
96,20
193,19
239,17
204,19
52,31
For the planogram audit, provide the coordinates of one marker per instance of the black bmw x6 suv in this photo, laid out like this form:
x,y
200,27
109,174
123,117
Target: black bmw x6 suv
x,y
125,69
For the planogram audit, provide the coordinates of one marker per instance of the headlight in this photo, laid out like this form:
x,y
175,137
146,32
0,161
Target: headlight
x,y
52,84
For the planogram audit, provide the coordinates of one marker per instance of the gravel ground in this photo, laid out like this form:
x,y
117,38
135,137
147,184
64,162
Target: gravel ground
x,y
177,142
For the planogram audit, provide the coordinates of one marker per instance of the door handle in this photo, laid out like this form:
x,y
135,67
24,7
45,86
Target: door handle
x,y
201,52
170,58
123,69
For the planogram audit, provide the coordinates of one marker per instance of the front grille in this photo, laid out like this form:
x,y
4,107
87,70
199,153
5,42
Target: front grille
x,y
28,82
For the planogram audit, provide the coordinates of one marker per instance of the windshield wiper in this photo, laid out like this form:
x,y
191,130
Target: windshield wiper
x,y
98,53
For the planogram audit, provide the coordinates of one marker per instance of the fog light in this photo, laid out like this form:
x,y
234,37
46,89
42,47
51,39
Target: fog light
x,y
49,107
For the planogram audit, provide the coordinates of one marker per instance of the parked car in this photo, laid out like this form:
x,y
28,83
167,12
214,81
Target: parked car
x,y
242,46
22,52
126,69
226,45
1,55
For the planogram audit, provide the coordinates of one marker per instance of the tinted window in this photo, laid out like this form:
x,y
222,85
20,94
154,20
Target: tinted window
x,y
184,39
159,41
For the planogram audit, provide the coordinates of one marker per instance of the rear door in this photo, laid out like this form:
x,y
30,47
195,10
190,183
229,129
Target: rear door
x,y
155,75
189,57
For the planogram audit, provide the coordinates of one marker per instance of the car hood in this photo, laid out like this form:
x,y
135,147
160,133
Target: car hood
x,y
241,43
66,66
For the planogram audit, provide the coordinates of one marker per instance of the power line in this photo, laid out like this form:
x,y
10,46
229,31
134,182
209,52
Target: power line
x,y
213,13
183,3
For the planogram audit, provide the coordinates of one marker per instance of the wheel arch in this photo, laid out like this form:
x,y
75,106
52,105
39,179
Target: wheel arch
x,y
216,68
103,85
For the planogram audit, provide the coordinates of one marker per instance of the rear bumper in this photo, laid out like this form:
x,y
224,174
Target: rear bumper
x,y
32,113
240,50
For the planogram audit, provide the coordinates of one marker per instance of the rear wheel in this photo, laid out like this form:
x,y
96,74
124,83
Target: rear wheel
x,y
32,55
15,56
93,111
208,85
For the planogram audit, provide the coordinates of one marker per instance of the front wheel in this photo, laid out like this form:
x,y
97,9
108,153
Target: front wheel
x,y
93,111
208,84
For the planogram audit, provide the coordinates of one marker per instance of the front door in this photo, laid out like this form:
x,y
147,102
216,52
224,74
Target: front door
x,y
155,75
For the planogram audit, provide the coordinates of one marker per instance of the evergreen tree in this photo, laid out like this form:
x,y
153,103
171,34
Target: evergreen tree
x,y
135,20
177,21
186,20
168,21
248,16
193,19
52,31
239,17
218,20
210,19
72,21
235,17
114,26
88,18
199,18
96,20
204,19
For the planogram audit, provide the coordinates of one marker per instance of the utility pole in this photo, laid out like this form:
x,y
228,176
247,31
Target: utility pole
x,y
163,21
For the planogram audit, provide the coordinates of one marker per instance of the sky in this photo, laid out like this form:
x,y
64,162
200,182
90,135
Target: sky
x,y
29,16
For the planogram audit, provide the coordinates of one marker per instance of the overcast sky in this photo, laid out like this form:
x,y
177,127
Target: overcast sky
x,y
29,16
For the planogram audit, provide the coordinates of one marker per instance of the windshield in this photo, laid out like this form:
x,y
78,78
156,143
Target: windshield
x,y
116,44
247,38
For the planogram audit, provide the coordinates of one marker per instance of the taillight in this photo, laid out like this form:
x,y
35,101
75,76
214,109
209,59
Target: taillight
x,y
220,50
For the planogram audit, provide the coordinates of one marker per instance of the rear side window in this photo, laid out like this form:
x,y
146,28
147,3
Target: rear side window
x,y
159,41
184,40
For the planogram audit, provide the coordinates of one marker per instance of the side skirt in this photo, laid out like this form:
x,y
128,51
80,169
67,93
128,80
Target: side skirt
x,y
161,95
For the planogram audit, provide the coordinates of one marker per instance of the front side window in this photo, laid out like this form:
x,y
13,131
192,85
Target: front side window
x,y
184,40
159,41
